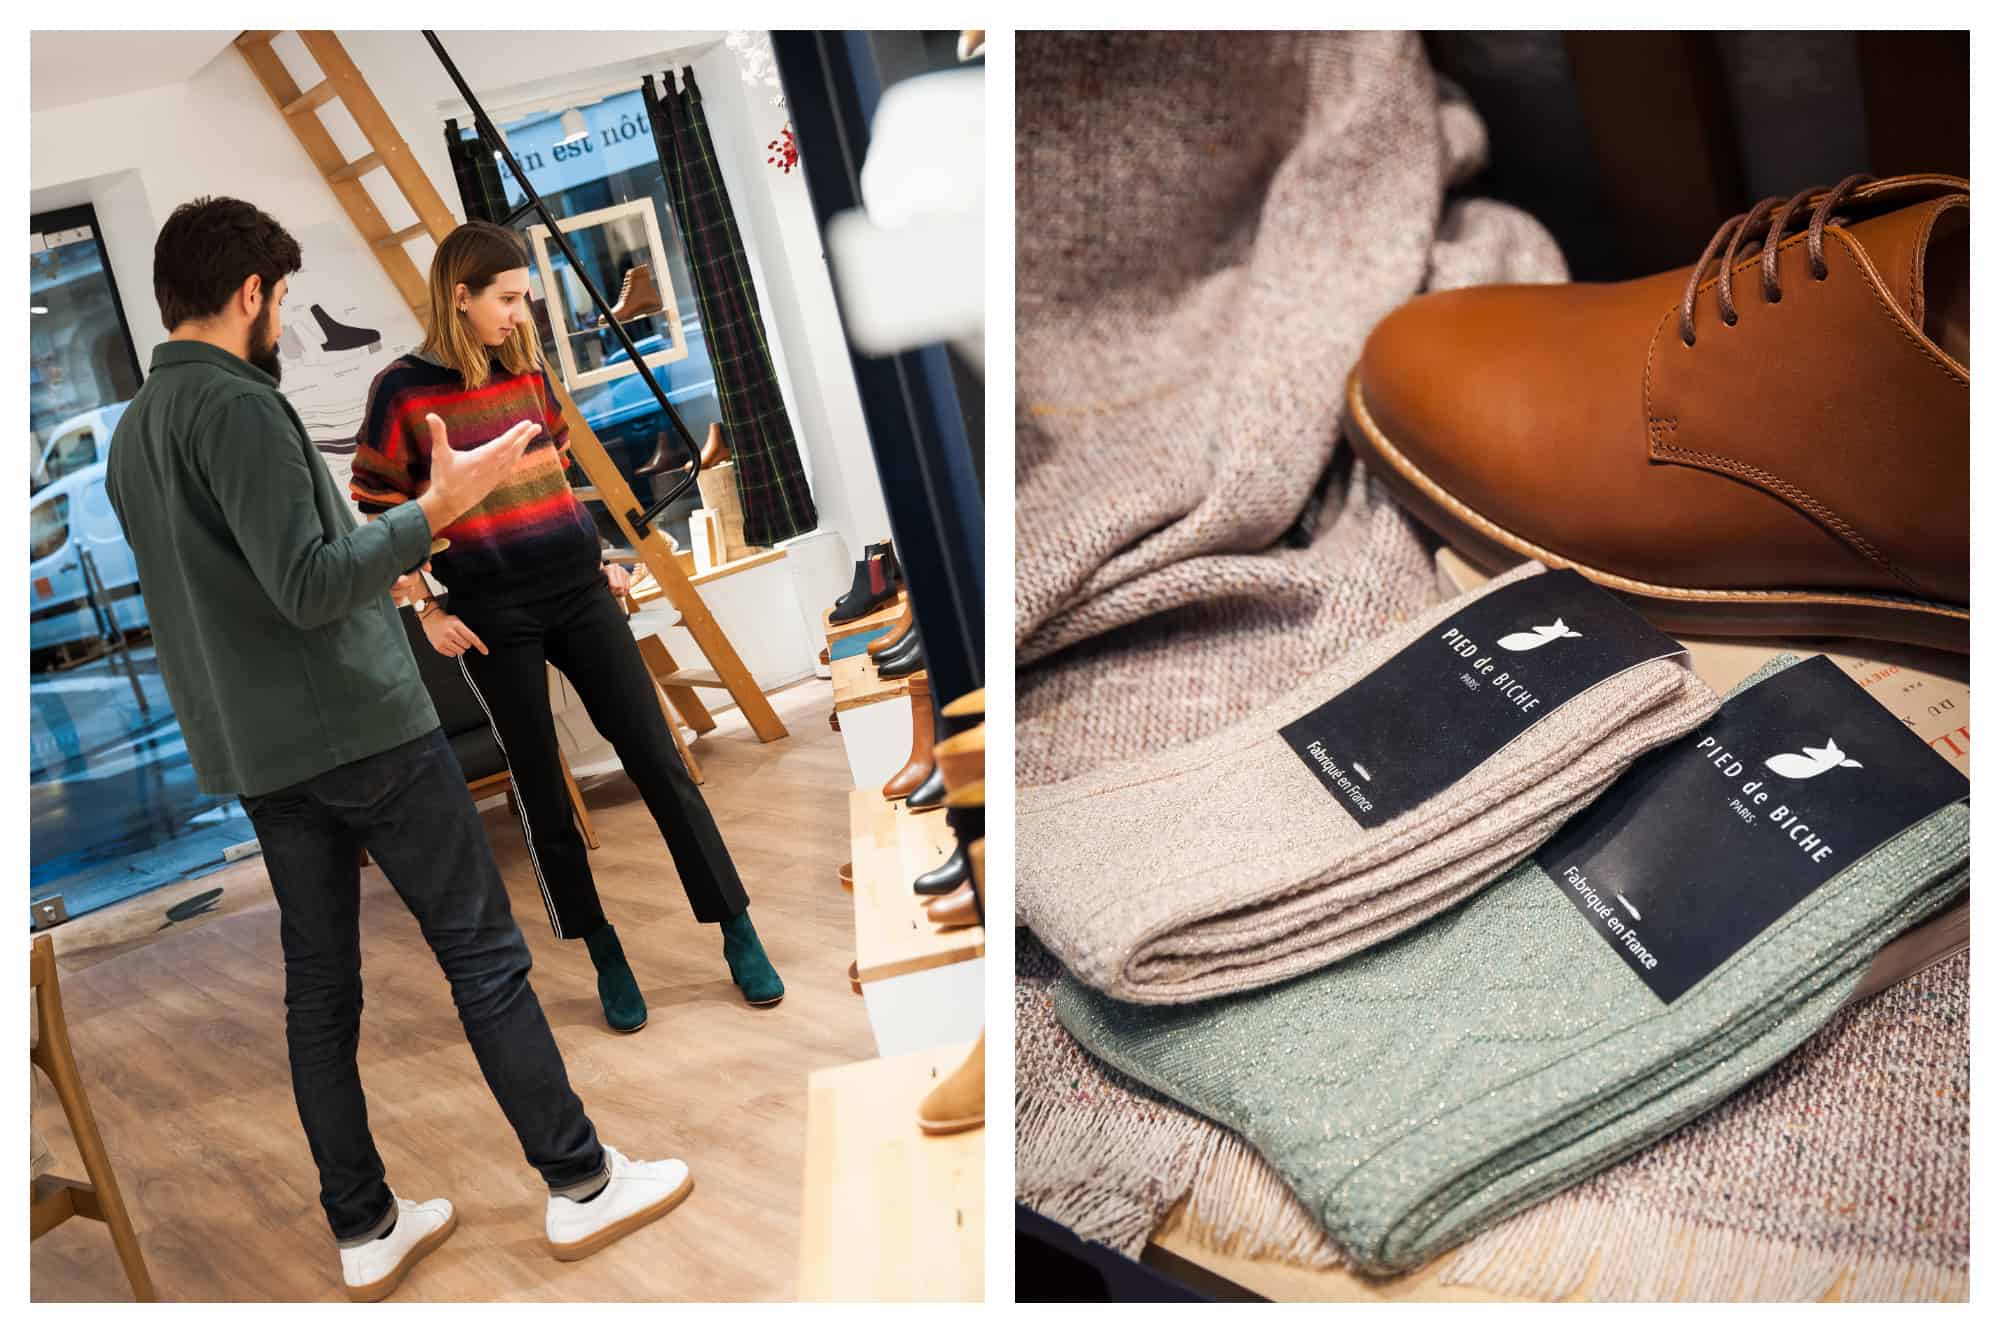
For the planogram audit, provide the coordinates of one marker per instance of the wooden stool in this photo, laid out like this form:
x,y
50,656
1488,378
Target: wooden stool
x,y
53,1200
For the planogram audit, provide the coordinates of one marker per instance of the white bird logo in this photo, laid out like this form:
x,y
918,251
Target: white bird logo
x,y
1541,634
1812,763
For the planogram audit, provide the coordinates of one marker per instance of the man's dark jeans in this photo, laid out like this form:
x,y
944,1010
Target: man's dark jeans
x,y
410,808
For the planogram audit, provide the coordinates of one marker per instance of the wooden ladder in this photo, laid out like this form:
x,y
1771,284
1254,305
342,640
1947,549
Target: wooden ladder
x,y
341,81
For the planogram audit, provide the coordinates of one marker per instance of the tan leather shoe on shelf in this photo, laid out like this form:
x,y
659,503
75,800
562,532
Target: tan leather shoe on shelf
x,y
847,876
959,1102
957,908
967,705
898,627
912,774
1772,442
962,757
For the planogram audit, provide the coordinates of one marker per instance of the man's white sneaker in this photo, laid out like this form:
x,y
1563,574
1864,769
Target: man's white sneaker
x,y
639,1192
373,1270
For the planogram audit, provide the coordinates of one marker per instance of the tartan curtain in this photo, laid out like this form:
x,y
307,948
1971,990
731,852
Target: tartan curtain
x,y
770,478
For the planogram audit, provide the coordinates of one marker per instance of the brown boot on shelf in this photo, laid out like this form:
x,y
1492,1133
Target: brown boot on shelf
x,y
957,908
967,705
847,875
670,453
715,449
957,1103
962,758
638,295
900,626
912,774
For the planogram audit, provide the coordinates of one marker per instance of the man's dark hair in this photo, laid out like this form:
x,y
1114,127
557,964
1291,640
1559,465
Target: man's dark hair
x,y
208,249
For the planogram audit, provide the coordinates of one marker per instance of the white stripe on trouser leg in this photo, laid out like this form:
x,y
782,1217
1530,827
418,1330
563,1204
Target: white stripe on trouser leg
x,y
520,803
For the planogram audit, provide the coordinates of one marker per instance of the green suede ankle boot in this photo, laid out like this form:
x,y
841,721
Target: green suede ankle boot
x,y
748,967
617,991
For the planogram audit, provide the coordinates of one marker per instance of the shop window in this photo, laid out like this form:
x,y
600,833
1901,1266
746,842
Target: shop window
x,y
114,807
609,169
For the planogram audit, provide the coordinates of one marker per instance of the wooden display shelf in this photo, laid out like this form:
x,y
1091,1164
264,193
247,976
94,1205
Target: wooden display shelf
x,y
645,588
856,683
891,1213
892,936
875,620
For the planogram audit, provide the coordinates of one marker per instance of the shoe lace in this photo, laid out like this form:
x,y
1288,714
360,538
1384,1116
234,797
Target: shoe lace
x,y
1741,226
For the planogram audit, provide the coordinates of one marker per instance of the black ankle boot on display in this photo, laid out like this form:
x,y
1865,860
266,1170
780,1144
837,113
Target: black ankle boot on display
x,y
344,338
887,550
890,650
870,592
929,794
947,876
905,663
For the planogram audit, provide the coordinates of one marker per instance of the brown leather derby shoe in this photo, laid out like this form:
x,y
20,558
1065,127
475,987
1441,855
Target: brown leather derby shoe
x,y
1774,441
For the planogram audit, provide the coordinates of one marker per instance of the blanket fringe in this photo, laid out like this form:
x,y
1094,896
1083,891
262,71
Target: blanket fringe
x,y
1569,1247
1590,1249
1236,1203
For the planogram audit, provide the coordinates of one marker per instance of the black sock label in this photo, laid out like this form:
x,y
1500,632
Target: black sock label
x,y
1449,701
1707,841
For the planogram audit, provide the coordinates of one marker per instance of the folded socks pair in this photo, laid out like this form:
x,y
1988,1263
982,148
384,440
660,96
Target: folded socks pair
x,y
1225,865
1422,1091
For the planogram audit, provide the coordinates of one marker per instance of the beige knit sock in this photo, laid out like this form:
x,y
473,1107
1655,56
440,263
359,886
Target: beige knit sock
x,y
1223,866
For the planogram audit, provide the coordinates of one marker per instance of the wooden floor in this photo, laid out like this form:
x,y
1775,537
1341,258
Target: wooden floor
x,y
179,1029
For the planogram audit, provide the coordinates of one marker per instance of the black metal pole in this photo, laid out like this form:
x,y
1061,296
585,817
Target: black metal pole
x,y
489,132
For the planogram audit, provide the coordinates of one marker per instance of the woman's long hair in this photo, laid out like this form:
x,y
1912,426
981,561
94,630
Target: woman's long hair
x,y
475,254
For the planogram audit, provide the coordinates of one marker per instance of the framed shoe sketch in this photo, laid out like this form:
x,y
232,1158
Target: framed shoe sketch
x,y
625,257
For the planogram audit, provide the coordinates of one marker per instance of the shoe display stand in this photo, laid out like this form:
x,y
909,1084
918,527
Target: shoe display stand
x,y
875,723
891,1213
923,984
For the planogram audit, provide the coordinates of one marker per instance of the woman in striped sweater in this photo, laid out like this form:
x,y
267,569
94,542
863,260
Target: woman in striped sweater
x,y
528,586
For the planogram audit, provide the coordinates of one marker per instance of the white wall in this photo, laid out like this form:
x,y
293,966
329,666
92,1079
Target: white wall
x,y
139,155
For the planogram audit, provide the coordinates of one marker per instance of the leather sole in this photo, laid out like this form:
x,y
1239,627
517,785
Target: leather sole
x,y
1776,613
382,1286
958,1126
571,1251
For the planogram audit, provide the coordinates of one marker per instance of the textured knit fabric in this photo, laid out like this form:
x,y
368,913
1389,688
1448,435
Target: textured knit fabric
x,y
1210,225
530,537
1417,1093
270,605
1223,865
770,476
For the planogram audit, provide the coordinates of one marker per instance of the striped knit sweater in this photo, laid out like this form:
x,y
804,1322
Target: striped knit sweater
x,y
531,537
